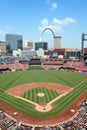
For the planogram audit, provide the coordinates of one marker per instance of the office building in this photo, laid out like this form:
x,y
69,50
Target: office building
x,y
2,47
57,42
41,45
14,42
28,45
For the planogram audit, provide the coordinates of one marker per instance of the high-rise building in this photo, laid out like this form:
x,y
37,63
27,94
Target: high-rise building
x,y
2,48
28,45
41,45
14,42
57,42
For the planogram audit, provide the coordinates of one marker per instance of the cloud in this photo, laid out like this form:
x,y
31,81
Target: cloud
x,y
55,28
56,24
54,5
44,22
65,21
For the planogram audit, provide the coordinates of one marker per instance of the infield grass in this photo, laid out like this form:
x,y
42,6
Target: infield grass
x,y
32,95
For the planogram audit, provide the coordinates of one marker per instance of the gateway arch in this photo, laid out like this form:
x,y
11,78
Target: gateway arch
x,y
57,39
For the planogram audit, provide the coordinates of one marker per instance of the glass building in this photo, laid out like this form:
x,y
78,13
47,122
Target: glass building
x,y
41,45
14,42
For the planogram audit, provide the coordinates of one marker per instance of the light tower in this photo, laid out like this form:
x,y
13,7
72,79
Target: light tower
x,y
83,39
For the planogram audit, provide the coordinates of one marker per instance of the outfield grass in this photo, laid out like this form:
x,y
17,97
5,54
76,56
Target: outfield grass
x,y
76,81
35,67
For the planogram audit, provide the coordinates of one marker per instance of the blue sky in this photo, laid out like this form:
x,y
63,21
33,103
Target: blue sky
x,y
67,18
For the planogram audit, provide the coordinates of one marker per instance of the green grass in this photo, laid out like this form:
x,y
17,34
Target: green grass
x,y
32,95
35,67
76,81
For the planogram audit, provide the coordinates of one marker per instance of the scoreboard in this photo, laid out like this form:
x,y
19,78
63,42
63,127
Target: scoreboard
x,y
53,54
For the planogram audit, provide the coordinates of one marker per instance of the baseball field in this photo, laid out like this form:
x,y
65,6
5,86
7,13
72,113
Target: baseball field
x,y
24,91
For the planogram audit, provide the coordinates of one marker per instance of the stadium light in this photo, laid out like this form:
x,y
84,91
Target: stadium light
x,y
83,39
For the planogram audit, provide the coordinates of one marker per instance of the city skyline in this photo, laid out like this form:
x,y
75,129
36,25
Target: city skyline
x,y
29,18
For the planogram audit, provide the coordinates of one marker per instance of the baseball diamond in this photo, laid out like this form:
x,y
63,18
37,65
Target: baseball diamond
x,y
42,97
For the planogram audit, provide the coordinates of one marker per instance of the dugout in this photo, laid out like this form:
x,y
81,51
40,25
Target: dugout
x,y
66,68
4,70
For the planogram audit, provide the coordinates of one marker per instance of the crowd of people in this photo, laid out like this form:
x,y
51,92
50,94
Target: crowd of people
x,y
53,61
78,122
5,121
10,63
14,63
14,66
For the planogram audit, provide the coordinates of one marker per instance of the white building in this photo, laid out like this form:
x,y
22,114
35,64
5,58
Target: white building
x,y
28,45
17,53
40,53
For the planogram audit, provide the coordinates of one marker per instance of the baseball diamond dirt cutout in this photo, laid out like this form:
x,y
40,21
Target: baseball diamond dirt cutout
x,y
41,94
17,91
63,90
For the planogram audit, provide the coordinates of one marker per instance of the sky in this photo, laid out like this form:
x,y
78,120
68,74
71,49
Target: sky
x,y
67,18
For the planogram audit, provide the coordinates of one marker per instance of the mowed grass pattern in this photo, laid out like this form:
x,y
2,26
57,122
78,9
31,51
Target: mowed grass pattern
x,y
32,95
76,81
